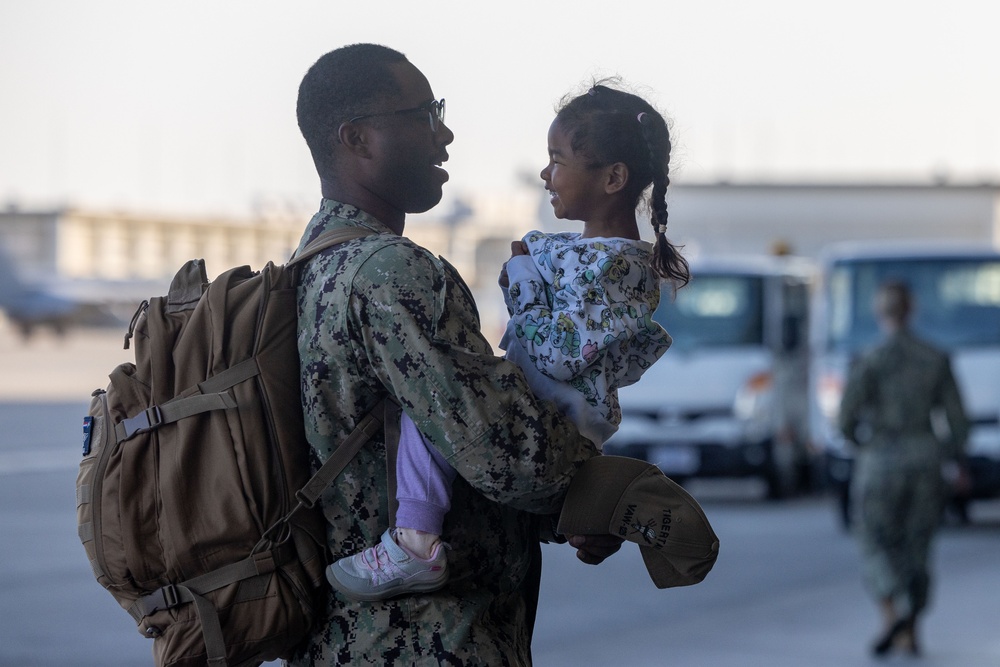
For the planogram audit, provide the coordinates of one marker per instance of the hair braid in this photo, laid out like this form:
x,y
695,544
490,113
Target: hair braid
x,y
668,263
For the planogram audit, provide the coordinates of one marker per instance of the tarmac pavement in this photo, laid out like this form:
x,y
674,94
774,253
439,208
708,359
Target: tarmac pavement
x,y
786,591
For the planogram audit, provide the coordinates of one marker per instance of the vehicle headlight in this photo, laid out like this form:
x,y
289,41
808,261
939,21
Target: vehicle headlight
x,y
753,400
829,391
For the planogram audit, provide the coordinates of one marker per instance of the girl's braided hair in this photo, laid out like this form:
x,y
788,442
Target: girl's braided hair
x,y
608,125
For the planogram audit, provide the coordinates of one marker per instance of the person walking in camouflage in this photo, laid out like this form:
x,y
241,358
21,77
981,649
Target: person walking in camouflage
x,y
382,317
897,487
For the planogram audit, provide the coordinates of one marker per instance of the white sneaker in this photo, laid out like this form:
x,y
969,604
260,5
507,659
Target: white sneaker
x,y
387,570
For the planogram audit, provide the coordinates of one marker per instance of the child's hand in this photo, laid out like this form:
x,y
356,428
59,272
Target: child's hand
x,y
516,248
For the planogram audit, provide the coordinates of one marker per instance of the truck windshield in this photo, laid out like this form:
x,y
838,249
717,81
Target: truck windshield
x,y
714,310
956,301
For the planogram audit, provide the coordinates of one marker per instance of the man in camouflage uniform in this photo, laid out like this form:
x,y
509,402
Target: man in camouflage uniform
x,y
897,485
381,316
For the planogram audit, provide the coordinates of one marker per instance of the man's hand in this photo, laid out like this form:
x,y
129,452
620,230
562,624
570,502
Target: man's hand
x,y
593,549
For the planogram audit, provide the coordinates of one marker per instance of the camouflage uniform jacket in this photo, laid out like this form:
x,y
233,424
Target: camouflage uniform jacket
x,y
892,391
381,315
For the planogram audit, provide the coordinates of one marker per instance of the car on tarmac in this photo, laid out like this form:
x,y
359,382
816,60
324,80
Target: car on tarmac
x,y
728,399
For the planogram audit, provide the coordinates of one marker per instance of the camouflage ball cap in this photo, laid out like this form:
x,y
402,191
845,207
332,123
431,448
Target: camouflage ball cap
x,y
634,500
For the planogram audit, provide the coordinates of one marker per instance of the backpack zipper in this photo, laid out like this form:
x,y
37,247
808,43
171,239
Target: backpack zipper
x,y
135,320
98,484
265,399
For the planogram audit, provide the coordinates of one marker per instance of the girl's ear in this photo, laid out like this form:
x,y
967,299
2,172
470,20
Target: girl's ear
x,y
616,179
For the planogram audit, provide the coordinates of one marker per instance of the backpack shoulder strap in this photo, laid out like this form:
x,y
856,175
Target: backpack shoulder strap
x,y
328,239
391,433
371,424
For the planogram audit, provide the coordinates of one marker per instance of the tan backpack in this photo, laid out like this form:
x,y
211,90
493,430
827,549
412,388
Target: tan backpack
x,y
194,499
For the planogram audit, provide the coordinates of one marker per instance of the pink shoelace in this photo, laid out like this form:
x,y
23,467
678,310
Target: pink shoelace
x,y
377,561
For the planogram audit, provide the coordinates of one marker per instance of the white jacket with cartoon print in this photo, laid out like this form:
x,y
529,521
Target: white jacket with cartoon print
x,y
581,323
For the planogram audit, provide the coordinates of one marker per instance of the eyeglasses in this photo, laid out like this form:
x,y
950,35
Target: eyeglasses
x,y
434,110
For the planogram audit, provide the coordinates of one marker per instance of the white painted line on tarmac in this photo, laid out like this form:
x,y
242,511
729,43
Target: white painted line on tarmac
x,y
24,460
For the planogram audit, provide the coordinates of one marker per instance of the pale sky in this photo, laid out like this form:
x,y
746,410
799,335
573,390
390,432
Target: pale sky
x,y
189,106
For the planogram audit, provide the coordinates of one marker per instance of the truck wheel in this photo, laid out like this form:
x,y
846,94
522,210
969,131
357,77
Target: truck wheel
x,y
843,493
779,484
781,476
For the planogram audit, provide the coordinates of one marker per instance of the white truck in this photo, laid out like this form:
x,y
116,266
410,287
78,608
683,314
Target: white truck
x,y
728,399
956,290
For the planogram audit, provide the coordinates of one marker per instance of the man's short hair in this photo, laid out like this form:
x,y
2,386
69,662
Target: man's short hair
x,y
344,83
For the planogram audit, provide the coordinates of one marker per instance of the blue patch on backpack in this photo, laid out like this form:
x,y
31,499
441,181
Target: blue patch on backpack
x,y
88,429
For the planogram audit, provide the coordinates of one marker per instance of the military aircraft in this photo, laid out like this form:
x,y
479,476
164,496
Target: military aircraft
x,y
63,305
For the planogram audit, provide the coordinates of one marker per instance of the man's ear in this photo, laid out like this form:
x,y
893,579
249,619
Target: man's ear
x,y
616,178
354,138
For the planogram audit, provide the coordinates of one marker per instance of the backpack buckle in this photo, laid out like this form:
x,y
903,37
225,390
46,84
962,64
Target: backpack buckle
x,y
153,417
147,420
304,499
171,598
164,597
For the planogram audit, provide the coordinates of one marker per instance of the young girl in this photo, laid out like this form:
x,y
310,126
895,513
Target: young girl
x,y
580,307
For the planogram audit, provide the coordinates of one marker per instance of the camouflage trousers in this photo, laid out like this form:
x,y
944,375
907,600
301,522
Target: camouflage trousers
x,y
897,511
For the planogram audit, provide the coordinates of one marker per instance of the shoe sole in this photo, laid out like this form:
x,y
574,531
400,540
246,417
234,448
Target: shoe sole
x,y
389,592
